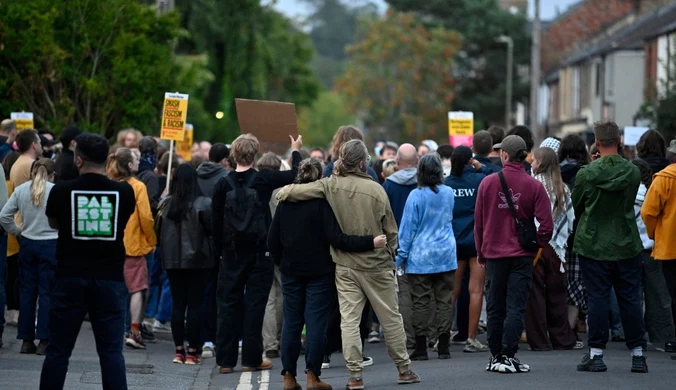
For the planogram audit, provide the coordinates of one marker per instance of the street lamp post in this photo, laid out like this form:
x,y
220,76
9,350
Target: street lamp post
x,y
508,95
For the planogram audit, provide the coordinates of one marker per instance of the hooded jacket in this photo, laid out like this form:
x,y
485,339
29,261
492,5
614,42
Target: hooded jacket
x,y
465,188
208,174
397,187
361,208
569,170
186,244
659,213
603,198
487,165
657,163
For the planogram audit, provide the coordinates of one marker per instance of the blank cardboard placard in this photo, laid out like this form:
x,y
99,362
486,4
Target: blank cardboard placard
x,y
271,122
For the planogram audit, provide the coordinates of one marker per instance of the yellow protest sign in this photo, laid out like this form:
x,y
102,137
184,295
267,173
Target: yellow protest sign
x,y
460,123
23,120
174,114
184,148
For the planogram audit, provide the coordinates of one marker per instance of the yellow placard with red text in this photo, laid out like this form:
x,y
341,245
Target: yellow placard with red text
x,y
174,115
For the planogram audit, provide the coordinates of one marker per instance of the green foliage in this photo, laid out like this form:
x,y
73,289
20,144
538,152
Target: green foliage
x,y
480,66
318,123
399,77
101,65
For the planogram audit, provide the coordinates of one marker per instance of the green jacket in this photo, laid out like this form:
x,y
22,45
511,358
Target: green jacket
x,y
362,208
603,198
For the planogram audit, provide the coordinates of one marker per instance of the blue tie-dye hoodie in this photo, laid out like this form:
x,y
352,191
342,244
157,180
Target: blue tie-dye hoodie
x,y
426,239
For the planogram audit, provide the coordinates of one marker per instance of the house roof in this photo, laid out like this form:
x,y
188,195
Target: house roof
x,y
631,37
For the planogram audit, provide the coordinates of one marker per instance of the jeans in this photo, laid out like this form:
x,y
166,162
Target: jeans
x,y
600,277
209,307
244,281
154,273
3,273
72,298
508,284
307,301
164,307
187,291
37,262
658,317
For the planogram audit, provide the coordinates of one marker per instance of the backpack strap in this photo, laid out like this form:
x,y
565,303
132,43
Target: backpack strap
x,y
508,197
232,183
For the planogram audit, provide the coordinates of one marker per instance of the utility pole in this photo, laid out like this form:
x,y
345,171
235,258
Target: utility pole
x,y
535,75
510,67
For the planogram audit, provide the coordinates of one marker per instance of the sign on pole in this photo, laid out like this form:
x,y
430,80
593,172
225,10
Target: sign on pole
x,y
174,115
184,148
460,128
271,122
23,120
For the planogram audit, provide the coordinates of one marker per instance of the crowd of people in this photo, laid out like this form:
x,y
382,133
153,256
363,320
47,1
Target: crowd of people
x,y
245,258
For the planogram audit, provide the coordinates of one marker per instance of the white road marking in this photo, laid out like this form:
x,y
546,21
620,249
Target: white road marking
x,y
245,382
265,380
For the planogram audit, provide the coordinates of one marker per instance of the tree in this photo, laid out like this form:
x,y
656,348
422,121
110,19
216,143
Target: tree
x,y
399,76
480,65
318,123
101,65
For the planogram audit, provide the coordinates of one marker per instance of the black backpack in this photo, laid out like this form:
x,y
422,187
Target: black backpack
x,y
244,219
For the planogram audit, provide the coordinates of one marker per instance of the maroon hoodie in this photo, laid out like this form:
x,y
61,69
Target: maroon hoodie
x,y
494,228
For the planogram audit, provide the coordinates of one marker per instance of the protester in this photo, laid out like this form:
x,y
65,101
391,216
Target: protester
x,y
139,240
658,310
497,135
445,152
388,152
508,249
660,221
7,136
38,251
546,314
12,279
552,143
482,146
361,206
65,163
464,180
652,148
48,144
29,146
163,171
129,138
183,230
308,281
211,171
90,256
241,243
398,187
525,133
609,246
3,257
344,134
427,254
423,150
319,155
146,171
389,168
205,148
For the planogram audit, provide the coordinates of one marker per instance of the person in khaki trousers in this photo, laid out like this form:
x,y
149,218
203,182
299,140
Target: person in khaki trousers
x,y
361,207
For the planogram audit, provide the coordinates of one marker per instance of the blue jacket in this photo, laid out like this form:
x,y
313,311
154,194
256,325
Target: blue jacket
x,y
426,240
5,149
465,188
398,186
328,170
487,165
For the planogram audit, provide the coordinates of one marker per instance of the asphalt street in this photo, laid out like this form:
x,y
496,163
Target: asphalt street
x,y
153,368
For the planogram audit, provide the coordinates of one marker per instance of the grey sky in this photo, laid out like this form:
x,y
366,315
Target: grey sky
x,y
548,8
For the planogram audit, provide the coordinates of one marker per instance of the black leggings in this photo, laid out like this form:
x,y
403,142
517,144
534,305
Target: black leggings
x,y
187,291
12,282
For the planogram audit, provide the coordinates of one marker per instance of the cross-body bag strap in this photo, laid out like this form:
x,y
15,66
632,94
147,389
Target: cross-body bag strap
x,y
508,197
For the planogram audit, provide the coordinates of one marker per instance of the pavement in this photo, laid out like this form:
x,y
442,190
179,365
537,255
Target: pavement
x,y
153,368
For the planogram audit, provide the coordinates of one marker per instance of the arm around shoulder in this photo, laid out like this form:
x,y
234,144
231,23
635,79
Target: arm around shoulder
x,y
299,192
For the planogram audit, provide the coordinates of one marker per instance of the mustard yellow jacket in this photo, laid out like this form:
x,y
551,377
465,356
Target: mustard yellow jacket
x,y
659,213
139,235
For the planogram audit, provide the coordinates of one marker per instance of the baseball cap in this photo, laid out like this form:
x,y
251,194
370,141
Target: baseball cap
x,y
511,145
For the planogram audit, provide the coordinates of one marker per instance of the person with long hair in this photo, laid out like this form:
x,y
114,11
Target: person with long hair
x,y
184,230
427,254
464,179
303,254
652,148
139,239
573,155
546,314
37,259
344,134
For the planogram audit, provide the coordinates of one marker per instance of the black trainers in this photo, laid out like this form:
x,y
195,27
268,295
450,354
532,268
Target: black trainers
x,y
670,347
494,364
28,347
638,364
592,365
512,366
147,335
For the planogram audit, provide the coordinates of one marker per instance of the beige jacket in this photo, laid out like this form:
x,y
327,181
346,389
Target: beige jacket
x,y
362,208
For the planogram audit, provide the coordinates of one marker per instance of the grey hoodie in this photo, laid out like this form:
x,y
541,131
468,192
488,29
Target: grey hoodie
x,y
405,177
35,223
398,186
208,175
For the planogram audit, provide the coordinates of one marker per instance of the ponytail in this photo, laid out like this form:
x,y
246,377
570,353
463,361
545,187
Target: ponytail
x,y
460,157
40,172
118,164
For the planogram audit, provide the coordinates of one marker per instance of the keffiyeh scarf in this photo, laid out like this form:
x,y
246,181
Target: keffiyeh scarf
x,y
563,222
